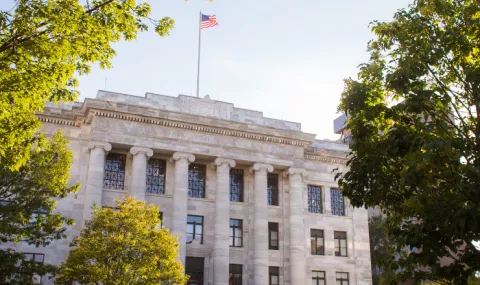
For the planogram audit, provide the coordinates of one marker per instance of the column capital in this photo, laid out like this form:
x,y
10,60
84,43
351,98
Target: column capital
x,y
138,149
258,166
182,155
294,170
219,161
105,145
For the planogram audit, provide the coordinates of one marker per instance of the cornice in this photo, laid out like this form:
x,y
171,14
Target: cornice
x,y
325,159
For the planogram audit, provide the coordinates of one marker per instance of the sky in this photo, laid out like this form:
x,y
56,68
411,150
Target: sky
x,y
287,59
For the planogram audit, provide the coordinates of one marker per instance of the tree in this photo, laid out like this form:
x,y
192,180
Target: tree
x,y
414,114
27,203
44,46
123,246
381,251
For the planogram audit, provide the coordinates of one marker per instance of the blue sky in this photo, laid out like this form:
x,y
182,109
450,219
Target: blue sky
x,y
285,58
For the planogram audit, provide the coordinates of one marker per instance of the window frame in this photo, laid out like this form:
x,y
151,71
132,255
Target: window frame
x,y
201,273
241,184
193,191
122,166
195,228
271,229
273,189
342,280
314,237
317,278
312,207
232,279
272,274
233,237
338,243
153,178
333,200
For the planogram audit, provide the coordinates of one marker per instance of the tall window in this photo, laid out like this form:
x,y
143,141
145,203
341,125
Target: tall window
x,y
318,277
314,199
236,185
340,243
235,274
37,258
273,236
272,189
338,203
156,176
236,233
194,228
317,242
342,278
273,275
160,216
114,176
194,268
196,180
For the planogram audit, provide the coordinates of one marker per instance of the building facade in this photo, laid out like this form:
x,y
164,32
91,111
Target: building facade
x,y
253,200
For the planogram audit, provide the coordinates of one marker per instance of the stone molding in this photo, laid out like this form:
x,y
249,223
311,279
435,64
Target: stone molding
x,y
294,170
105,145
200,128
182,155
219,161
325,159
138,149
57,121
257,166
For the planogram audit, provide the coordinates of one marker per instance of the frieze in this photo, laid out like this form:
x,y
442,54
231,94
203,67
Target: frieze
x,y
325,159
56,121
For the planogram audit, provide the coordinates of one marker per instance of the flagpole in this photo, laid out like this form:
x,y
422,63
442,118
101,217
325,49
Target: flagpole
x,y
199,43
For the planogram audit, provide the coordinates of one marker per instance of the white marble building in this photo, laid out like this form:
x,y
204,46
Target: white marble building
x,y
252,199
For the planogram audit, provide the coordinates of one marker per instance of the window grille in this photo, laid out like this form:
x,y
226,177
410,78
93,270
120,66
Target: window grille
x,y
114,176
314,199
236,185
272,189
196,180
156,176
338,203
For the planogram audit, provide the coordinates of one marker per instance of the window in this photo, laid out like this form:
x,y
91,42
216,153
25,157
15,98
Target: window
x,y
194,268
318,277
340,243
235,274
317,242
114,176
29,272
273,236
342,278
160,216
272,189
196,180
156,176
194,229
314,199
338,204
37,257
273,275
236,185
236,233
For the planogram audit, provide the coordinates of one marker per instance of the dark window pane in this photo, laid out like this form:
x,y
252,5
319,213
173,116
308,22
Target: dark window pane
x,y
236,185
338,203
156,176
314,199
114,176
272,189
235,276
273,236
274,275
194,268
196,180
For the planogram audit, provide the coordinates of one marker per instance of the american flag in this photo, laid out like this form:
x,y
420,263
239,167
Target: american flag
x,y
208,21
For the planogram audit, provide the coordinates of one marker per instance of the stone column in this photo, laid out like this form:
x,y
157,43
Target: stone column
x,y
260,223
96,168
297,227
139,171
221,246
180,196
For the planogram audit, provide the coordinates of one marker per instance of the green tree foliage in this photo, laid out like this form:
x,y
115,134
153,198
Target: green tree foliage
x,y
381,251
414,114
44,46
123,247
27,203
